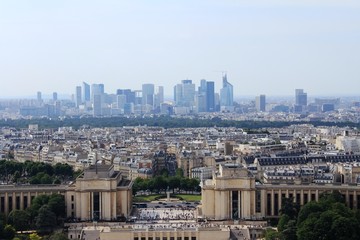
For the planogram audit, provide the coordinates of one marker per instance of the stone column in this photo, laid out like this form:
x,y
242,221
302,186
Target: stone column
x,y
21,201
6,203
279,199
240,204
272,203
355,200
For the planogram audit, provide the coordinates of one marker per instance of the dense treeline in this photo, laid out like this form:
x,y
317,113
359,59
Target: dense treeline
x,y
46,213
326,219
34,172
161,121
165,182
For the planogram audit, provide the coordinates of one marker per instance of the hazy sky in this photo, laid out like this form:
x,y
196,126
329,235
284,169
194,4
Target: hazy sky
x,y
267,47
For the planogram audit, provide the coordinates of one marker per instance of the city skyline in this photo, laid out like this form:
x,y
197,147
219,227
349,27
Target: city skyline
x,y
266,48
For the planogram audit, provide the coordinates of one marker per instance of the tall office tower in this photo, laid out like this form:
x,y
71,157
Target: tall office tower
x,y
121,101
188,93
201,97
97,89
57,105
97,105
38,96
39,101
55,96
217,102
300,97
148,90
86,92
78,99
202,87
210,96
226,95
184,94
177,94
260,103
159,96
300,100
102,88
130,95
201,102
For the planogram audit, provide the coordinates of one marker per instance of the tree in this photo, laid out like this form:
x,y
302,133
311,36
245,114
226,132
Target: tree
x,y
289,233
19,219
45,220
271,234
16,176
9,232
307,209
174,182
194,184
179,172
35,236
63,170
164,172
46,179
160,183
39,201
57,204
283,221
289,208
327,219
58,236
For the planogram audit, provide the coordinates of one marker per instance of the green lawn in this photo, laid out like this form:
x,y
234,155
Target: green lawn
x,y
189,198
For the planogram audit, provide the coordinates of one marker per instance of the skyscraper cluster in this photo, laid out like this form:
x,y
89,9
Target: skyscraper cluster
x,y
124,101
150,99
187,99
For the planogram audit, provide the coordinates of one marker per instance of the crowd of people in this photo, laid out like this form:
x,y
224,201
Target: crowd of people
x,y
166,214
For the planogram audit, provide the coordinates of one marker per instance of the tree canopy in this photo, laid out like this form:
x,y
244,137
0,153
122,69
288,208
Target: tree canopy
x,y
326,219
162,183
161,121
34,172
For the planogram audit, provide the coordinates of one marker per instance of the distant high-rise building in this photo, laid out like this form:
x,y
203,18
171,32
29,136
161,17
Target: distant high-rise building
x,y
138,97
210,96
78,99
184,93
86,92
159,97
121,101
130,95
148,90
101,88
202,87
201,102
300,100
97,89
188,92
226,95
260,103
97,105
55,96
201,97
57,106
39,99
300,97
178,93
38,96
